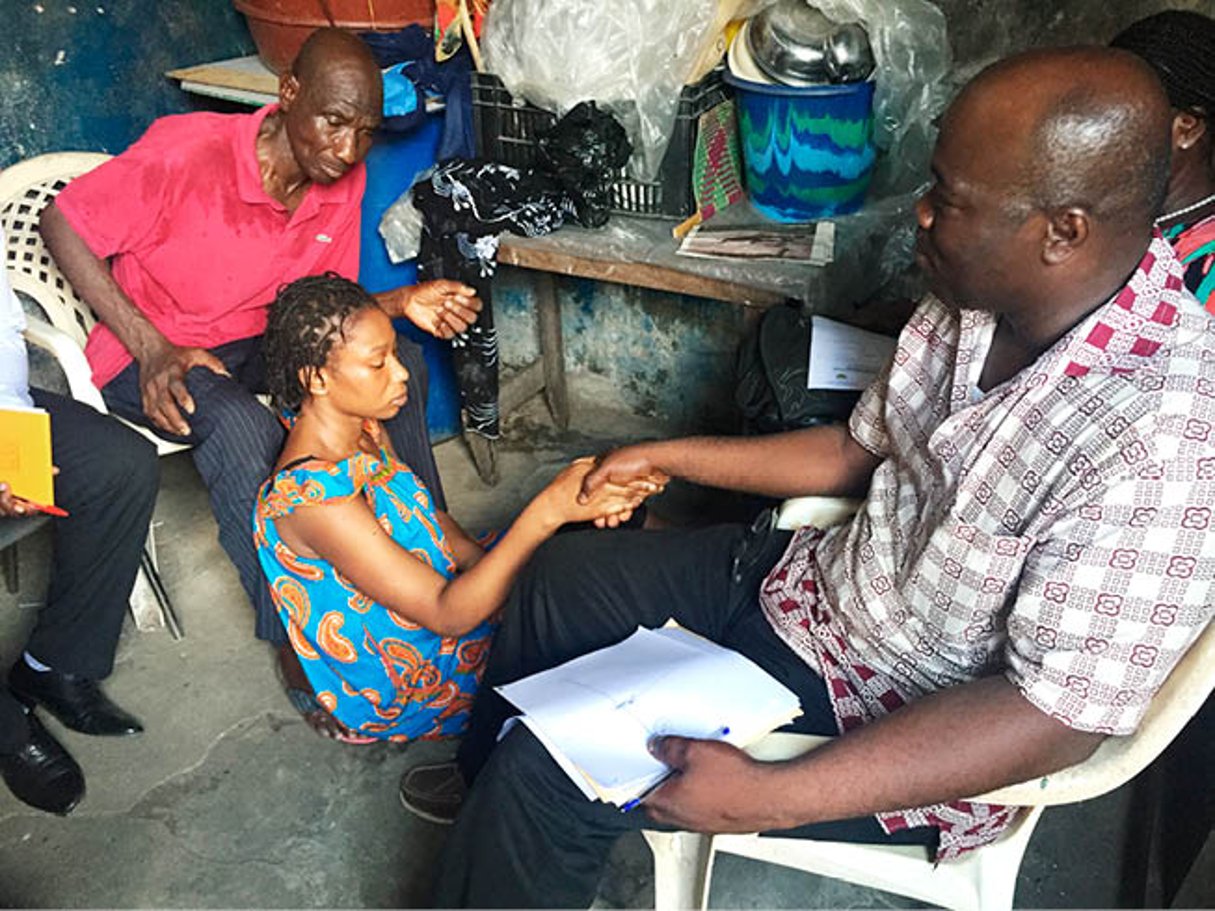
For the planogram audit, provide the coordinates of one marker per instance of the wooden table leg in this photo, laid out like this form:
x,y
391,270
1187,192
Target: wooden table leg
x,y
552,349
547,374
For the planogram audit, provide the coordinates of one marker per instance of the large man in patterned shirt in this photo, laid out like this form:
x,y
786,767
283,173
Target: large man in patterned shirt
x,y
1034,554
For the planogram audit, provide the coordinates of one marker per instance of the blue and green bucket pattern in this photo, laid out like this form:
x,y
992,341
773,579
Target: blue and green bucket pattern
x,y
807,151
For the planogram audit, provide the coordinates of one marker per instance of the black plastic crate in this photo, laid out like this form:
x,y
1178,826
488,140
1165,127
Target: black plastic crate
x,y
508,131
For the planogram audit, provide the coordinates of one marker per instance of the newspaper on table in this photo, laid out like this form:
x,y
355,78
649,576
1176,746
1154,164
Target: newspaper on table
x,y
813,244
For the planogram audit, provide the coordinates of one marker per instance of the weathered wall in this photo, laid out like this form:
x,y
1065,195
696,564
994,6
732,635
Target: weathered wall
x,y
983,30
667,355
77,75
89,74
673,356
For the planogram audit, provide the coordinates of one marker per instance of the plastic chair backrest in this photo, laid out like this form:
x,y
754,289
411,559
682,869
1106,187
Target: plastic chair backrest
x,y
25,190
1119,759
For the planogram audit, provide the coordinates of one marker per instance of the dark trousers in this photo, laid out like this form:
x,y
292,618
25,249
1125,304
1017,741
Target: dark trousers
x,y
107,482
527,837
236,441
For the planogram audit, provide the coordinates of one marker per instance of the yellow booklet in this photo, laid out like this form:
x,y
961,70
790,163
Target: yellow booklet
x,y
25,454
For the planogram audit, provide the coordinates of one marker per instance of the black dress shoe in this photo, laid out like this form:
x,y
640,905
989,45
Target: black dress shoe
x,y
76,701
42,773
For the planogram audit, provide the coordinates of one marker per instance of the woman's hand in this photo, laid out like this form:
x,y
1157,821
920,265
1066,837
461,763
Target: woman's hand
x,y
12,505
642,488
9,504
609,504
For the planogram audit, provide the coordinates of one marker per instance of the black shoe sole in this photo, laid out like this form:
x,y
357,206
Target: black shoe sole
x,y
71,769
66,811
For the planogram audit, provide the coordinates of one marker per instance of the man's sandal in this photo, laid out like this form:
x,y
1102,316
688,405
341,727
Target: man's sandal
x,y
433,791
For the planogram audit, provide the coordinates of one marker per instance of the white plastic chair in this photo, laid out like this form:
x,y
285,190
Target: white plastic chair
x,y
25,189
983,880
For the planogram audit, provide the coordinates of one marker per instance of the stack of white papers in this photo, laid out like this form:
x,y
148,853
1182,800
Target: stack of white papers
x,y
596,713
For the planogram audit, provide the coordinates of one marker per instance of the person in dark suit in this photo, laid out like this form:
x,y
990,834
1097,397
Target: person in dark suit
x,y
107,482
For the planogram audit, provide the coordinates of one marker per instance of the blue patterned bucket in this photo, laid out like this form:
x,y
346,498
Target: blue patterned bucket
x,y
807,150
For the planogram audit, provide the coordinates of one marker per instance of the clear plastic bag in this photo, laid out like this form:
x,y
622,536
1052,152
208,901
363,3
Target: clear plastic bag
x,y
911,47
401,228
632,57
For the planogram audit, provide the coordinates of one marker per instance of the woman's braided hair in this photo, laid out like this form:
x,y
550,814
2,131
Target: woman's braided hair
x,y
307,316
1180,46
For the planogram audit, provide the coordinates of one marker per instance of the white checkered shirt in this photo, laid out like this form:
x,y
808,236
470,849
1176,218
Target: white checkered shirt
x,y
1056,529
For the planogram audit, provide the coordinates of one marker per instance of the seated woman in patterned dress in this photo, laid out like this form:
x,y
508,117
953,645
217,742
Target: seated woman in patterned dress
x,y
387,602
1180,46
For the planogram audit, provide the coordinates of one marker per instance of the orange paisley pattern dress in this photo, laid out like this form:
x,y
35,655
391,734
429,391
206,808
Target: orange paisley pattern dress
x,y
379,674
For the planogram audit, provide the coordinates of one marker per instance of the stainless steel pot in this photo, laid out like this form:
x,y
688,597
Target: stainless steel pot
x,y
849,55
794,43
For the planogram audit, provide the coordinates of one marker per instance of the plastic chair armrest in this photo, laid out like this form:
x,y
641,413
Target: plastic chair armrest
x,y
821,512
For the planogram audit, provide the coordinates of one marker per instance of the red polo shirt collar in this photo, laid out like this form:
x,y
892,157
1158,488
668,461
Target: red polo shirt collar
x,y
249,179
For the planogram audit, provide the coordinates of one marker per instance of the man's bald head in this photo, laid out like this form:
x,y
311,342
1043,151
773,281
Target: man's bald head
x,y
1049,169
329,47
1089,129
331,103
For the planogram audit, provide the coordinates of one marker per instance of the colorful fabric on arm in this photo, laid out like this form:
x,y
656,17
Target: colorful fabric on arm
x,y
1194,245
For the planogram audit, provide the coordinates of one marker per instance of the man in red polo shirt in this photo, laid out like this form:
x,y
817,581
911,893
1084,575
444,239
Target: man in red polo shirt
x,y
201,221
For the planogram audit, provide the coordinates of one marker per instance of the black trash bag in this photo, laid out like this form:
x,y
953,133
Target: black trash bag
x,y
771,377
584,152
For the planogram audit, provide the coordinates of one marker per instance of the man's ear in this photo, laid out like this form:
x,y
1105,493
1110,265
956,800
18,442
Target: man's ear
x,y
288,90
1066,232
1188,128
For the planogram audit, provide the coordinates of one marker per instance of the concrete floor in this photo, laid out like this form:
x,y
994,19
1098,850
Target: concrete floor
x,y
228,799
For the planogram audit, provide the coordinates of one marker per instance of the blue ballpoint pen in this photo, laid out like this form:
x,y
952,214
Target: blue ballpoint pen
x,y
640,798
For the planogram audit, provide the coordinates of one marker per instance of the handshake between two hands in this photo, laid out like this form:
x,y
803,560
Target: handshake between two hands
x,y
604,490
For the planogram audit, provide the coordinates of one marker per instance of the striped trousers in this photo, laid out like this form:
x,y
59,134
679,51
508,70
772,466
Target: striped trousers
x,y
236,441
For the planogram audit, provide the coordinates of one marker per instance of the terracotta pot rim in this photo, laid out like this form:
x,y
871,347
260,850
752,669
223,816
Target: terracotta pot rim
x,y
255,10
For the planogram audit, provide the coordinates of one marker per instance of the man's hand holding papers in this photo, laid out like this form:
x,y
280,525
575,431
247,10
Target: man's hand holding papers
x,y
597,714
715,787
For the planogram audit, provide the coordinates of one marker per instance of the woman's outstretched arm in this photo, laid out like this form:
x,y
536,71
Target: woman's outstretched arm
x,y
348,536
